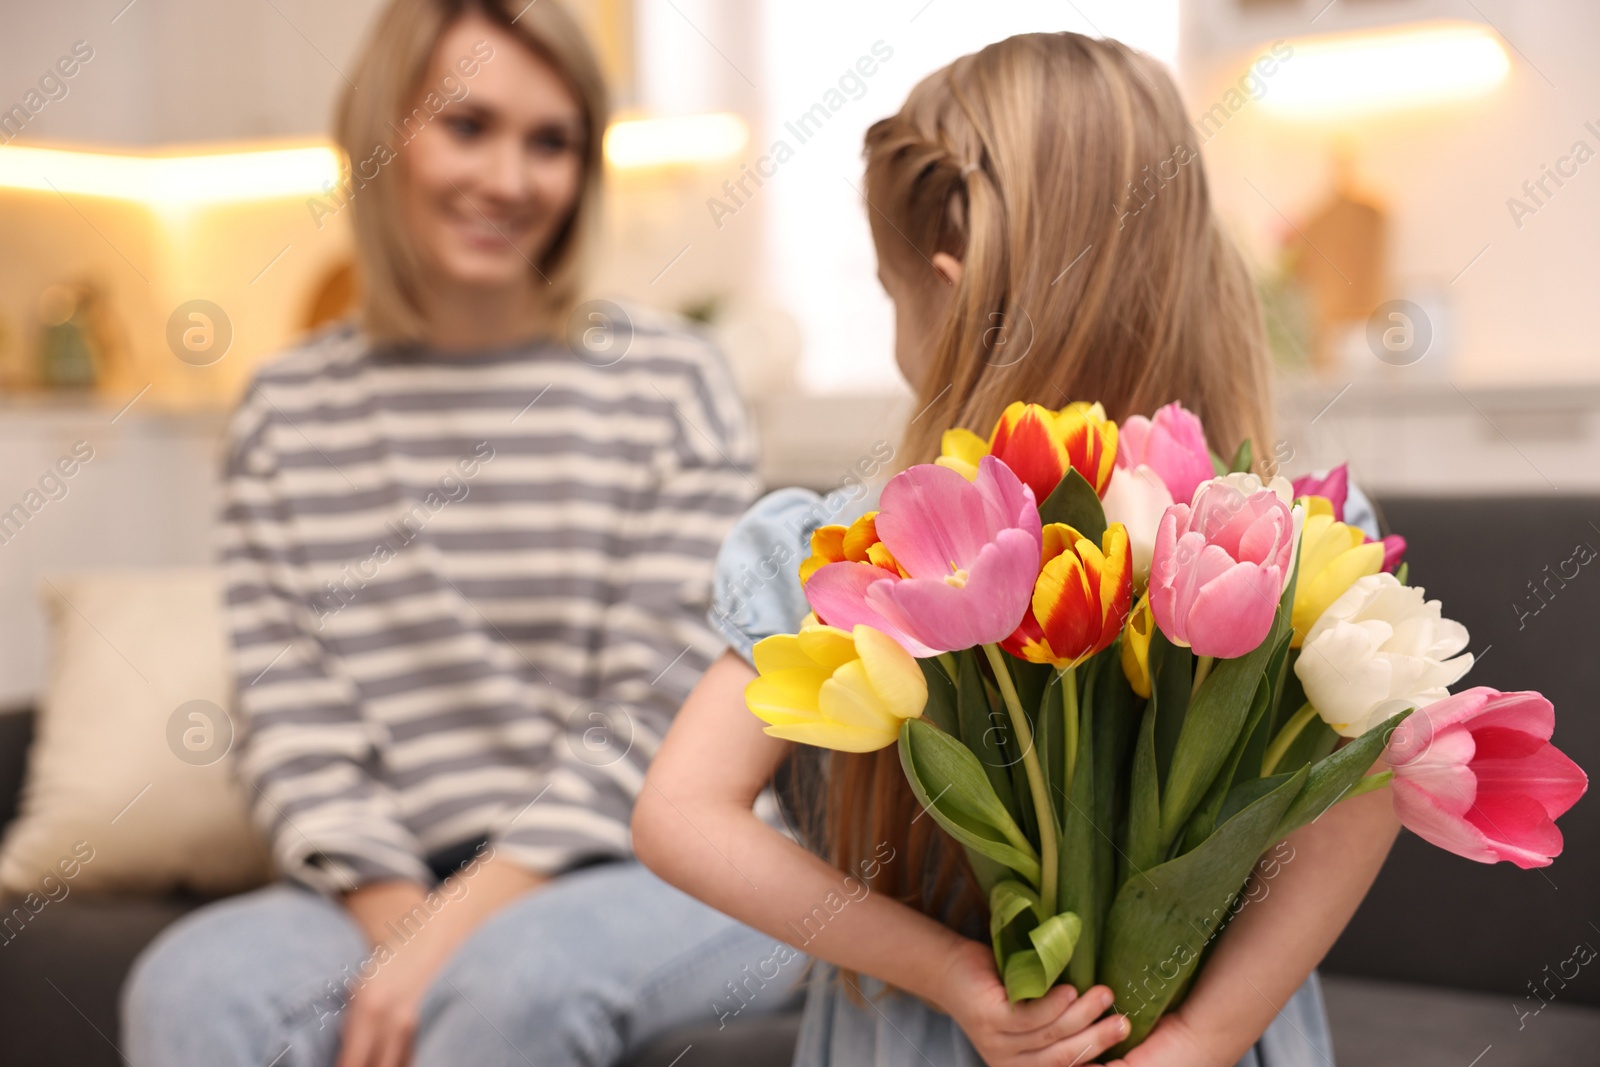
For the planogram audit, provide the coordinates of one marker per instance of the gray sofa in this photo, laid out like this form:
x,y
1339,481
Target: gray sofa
x,y
1439,966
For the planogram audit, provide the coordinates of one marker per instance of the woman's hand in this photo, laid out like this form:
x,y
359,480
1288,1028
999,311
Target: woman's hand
x,y
1057,1030
381,1018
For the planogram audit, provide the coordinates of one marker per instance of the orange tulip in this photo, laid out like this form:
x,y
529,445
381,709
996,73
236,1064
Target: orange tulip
x,y
1081,599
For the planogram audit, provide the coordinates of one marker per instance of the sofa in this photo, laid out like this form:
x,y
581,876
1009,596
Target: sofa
x,y
1447,962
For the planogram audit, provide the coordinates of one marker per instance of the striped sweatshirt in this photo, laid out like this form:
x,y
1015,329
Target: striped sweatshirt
x,y
467,592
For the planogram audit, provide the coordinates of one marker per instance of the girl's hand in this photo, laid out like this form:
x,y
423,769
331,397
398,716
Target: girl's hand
x,y
1174,1043
1057,1030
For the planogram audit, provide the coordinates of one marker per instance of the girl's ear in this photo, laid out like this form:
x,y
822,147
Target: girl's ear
x,y
948,267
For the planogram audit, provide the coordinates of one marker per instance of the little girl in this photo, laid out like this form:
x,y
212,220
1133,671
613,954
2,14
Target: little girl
x,y
1000,200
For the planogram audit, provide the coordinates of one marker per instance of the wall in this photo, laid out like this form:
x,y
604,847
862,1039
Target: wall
x,y
1523,311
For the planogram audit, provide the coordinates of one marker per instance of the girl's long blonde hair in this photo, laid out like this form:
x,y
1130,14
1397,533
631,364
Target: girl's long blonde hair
x,y
1062,171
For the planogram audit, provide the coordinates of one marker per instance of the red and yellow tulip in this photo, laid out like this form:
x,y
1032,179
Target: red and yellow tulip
x,y
1040,446
856,543
1080,600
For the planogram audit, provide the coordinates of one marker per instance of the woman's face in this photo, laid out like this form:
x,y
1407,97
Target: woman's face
x,y
490,179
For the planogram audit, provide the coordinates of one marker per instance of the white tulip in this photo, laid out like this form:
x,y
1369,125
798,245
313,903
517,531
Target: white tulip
x,y
1248,483
1377,649
1137,498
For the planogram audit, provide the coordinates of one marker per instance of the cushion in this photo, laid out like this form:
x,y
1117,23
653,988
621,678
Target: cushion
x,y
129,787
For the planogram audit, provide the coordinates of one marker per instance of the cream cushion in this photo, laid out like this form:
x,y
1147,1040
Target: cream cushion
x,y
128,759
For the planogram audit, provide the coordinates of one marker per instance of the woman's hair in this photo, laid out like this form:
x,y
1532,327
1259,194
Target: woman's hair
x,y
1061,170
374,122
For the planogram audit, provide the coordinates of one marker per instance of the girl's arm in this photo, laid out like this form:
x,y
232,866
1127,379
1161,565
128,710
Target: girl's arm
x,y
693,825
1277,938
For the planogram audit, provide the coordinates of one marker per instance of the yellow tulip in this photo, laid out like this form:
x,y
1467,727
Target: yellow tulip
x,y
849,691
1332,556
960,450
1136,647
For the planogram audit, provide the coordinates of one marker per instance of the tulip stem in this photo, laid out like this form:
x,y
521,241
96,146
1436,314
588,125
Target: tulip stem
x,y
1291,730
948,662
1036,785
1068,676
1202,669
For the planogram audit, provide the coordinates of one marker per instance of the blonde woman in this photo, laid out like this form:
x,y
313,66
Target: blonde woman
x,y
999,198
466,565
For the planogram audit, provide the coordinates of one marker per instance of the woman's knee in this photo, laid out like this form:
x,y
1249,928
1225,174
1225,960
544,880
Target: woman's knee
x,y
233,973
554,1020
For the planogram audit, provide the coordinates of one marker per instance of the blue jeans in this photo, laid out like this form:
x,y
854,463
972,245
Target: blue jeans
x,y
898,1030
583,971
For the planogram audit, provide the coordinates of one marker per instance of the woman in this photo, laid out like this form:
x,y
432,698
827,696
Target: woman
x,y
466,567
994,196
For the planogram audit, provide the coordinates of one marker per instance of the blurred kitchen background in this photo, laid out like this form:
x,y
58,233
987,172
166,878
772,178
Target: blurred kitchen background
x,y
1412,179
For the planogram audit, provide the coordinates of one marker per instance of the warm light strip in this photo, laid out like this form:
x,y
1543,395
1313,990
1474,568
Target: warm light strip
x,y
1410,66
171,181
637,143
223,177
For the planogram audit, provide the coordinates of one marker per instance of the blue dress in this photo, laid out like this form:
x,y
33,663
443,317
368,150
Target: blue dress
x,y
757,594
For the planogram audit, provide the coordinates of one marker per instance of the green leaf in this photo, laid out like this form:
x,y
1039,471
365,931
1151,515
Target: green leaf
x,y
1335,775
1079,857
1402,573
1204,819
1117,714
941,708
1216,717
1008,901
1242,458
1369,783
1024,976
1075,503
1315,741
1162,919
1171,677
1021,790
951,785
1218,466
1054,940
1031,680
987,872
1013,907
984,731
1047,736
1248,792
1144,801
1283,681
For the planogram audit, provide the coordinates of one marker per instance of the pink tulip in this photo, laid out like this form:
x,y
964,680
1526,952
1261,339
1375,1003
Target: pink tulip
x,y
1219,568
972,553
1476,774
1173,444
1394,550
1333,487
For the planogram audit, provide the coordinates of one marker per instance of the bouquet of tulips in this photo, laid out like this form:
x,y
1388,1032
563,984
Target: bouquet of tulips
x,y
1119,670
